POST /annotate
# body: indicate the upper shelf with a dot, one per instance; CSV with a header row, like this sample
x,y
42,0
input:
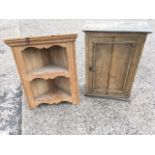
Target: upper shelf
x,y
46,63
109,26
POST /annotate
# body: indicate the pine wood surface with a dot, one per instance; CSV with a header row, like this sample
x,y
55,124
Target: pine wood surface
x,y
47,68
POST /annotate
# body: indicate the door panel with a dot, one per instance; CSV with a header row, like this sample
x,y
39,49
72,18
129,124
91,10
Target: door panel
x,y
120,64
96,51
101,63
111,65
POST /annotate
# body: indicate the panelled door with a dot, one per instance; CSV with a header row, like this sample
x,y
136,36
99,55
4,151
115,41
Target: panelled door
x,y
110,62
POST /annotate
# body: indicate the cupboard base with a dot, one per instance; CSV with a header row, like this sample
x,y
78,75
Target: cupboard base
x,y
110,97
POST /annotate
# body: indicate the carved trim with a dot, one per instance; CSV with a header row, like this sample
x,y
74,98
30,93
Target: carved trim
x,y
43,47
55,100
47,76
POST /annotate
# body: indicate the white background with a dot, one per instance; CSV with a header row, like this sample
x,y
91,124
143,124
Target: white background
x,y
77,9
72,9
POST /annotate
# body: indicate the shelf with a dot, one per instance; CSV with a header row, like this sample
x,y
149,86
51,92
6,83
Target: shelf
x,y
46,60
47,68
49,71
54,97
52,90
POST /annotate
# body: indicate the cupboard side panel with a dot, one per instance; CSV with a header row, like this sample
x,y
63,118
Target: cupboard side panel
x,y
17,51
71,55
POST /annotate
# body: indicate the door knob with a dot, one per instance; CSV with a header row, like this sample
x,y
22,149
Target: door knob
x,y
90,68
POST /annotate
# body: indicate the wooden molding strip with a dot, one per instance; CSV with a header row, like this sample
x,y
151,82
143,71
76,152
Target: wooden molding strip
x,y
38,40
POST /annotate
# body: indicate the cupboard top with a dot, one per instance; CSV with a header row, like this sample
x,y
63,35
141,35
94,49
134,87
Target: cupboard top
x,y
40,40
109,26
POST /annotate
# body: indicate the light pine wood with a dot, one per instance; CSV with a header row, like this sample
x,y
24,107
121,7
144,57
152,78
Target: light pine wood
x,y
49,71
112,59
72,68
47,68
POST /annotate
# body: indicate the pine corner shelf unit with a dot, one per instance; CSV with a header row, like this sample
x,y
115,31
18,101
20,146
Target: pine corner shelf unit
x,y
47,68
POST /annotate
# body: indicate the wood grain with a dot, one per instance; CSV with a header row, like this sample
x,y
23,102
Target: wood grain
x,y
47,68
111,63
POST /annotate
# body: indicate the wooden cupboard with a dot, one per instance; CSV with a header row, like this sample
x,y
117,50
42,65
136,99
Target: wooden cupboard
x,y
47,68
113,51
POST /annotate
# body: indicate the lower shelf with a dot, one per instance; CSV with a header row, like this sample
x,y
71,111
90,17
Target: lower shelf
x,y
51,91
53,97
